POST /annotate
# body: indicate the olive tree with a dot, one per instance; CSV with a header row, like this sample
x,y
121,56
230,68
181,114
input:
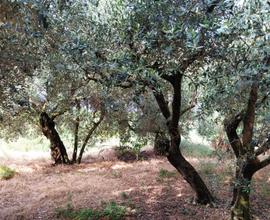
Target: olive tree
x,y
239,93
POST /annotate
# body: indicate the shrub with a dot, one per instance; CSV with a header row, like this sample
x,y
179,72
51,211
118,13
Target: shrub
x,y
6,173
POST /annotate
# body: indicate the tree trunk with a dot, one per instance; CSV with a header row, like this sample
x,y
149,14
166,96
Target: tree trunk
x,y
241,206
174,154
235,188
58,150
175,157
91,131
76,137
76,133
240,209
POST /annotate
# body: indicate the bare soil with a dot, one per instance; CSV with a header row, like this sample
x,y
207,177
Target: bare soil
x,y
39,188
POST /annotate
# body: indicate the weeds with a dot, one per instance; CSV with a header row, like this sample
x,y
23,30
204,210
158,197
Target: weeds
x,y
110,210
165,174
6,173
114,211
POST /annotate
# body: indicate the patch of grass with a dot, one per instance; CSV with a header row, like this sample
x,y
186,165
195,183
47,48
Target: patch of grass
x,y
195,150
82,214
165,174
114,211
111,211
6,173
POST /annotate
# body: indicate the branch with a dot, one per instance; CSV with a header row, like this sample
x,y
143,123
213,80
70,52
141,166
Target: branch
x,y
263,100
264,163
162,103
249,117
190,60
176,103
187,109
56,114
230,128
264,147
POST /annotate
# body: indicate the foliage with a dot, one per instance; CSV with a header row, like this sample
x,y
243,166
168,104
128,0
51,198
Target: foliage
x,y
200,60
6,172
132,143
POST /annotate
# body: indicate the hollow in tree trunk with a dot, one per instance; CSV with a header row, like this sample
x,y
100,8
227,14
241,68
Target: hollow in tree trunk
x,y
58,150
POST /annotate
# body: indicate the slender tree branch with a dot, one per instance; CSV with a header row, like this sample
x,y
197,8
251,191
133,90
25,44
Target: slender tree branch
x,y
187,109
90,132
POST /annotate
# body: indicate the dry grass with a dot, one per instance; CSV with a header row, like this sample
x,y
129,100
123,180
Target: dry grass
x,y
39,189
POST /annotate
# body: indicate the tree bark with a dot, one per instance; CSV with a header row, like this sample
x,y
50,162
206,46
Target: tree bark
x,y
58,150
247,161
241,204
240,209
189,173
174,154
76,134
76,137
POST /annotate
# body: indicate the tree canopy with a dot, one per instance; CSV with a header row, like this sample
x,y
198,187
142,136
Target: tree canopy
x,y
146,67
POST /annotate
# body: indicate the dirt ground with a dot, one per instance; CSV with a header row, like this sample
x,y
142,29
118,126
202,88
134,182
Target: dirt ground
x,y
39,188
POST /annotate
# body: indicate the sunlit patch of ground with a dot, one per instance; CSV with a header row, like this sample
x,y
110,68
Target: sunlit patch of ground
x,y
39,188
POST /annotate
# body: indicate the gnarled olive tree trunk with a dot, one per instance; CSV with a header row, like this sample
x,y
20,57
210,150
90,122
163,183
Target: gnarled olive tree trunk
x,y
58,150
174,154
248,162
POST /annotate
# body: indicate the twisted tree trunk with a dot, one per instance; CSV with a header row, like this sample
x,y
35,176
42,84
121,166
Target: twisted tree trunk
x,y
248,162
58,150
174,154
175,157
